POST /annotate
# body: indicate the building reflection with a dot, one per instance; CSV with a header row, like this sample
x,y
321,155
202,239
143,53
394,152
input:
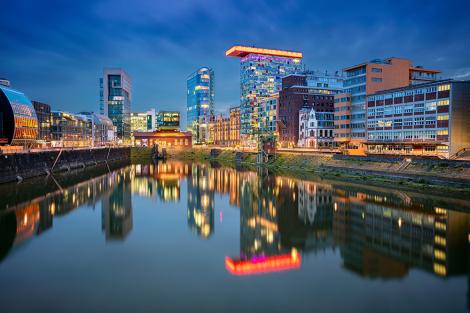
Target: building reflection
x,y
201,200
20,223
161,180
116,209
378,233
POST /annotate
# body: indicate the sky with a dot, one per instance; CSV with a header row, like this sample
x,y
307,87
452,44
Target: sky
x,y
55,51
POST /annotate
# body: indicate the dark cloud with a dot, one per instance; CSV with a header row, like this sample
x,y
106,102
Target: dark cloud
x,y
55,50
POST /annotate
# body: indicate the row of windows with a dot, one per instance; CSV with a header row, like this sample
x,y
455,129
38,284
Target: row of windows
x,y
410,92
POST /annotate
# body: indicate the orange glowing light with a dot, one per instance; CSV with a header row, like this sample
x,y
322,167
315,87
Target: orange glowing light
x,y
242,51
260,265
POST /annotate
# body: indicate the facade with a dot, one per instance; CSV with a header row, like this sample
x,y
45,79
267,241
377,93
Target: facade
x,y
261,72
139,122
200,103
234,126
426,119
43,113
70,130
164,139
18,119
315,129
102,129
220,131
306,90
168,120
267,113
116,99
370,77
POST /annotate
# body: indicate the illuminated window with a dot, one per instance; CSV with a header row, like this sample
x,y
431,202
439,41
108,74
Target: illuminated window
x,y
443,117
443,87
442,102
440,240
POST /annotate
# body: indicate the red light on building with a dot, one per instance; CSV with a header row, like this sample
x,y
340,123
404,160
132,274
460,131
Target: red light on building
x,y
261,265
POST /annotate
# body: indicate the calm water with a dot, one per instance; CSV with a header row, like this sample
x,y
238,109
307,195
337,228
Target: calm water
x,y
182,237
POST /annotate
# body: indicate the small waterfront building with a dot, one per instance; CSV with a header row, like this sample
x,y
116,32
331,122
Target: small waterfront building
x,y
70,130
315,129
164,139
18,119
43,112
430,119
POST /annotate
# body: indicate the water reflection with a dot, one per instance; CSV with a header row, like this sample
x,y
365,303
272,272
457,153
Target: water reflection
x,y
378,233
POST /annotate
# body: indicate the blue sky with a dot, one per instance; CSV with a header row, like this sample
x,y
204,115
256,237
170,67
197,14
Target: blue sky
x,y
55,51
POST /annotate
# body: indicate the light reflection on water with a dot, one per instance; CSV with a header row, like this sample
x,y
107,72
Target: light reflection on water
x,y
245,224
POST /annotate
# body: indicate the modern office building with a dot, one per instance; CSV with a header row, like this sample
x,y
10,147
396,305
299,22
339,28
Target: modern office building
x,y
43,113
309,89
427,119
261,72
200,103
365,79
70,130
116,99
168,120
102,129
18,119
315,129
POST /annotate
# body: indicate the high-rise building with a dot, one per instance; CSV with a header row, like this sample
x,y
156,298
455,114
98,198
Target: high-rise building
x,y
261,72
309,89
116,99
367,78
200,103
43,112
427,119
168,120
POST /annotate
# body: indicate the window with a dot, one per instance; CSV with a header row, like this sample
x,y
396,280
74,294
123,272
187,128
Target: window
x,y
431,106
376,79
409,109
443,87
442,102
442,132
376,70
443,117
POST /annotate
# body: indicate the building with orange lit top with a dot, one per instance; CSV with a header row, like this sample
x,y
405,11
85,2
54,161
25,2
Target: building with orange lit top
x,y
365,79
261,72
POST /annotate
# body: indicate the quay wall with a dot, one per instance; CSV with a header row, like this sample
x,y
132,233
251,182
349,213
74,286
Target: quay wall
x,y
19,166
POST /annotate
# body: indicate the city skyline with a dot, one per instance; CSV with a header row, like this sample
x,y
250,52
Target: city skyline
x,y
159,50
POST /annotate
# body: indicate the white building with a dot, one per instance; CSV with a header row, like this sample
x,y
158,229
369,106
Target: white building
x,y
315,128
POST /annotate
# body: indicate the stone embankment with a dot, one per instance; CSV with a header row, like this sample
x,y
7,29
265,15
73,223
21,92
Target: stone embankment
x,y
399,171
19,166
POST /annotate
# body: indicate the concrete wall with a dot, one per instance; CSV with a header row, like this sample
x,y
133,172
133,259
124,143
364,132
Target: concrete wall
x,y
25,165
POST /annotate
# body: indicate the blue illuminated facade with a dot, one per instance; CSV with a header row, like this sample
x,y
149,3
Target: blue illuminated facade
x,y
200,103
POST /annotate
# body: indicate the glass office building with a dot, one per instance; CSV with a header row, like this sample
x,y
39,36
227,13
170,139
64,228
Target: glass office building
x,y
168,120
200,103
261,72
18,120
116,99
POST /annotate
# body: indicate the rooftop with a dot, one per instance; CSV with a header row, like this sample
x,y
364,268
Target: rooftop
x,y
242,51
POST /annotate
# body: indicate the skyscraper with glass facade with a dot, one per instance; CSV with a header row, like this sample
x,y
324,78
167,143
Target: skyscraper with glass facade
x,y
115,100
200,103
261,72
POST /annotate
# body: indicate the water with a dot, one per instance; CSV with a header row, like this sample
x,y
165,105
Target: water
x,y
182,237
